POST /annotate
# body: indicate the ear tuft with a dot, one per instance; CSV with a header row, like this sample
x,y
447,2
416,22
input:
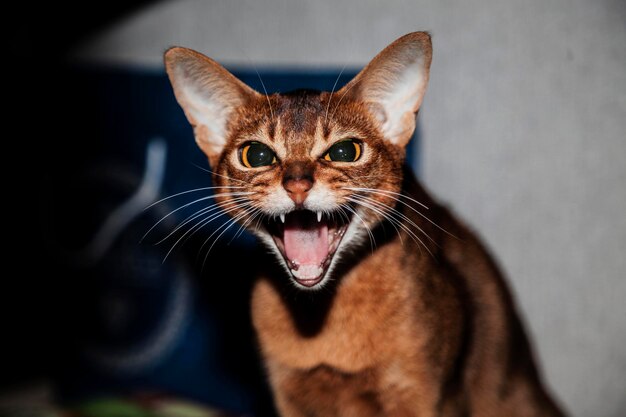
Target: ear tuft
x,y
393,84
208,94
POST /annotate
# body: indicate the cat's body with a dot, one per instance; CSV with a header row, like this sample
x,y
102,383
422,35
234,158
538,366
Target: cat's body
x,y
382,307
403,334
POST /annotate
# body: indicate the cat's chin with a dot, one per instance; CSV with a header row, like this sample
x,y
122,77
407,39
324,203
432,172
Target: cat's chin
x,y
307,242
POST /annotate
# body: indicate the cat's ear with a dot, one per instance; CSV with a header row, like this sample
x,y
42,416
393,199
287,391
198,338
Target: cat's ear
x,y
208,94
393,85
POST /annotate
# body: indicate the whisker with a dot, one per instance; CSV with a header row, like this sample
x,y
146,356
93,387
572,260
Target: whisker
x,y
377,190
247,208
187,235
384,192
201,212
258,220
269,103
255,213
343,96
235,194
253,65
385,176
369,231
187,192
206,210
382,214
219,175
214,216
330,97
396,213
228,225
396,221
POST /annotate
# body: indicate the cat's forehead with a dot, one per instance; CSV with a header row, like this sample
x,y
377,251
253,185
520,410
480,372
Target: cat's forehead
x,y
302,123
297,115
292,122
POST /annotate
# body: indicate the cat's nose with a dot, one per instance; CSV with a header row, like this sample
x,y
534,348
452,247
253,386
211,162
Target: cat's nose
x,y
297,181
298,190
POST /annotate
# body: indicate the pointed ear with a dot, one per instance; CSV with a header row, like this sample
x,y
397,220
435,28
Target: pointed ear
x,y
393,85
208,94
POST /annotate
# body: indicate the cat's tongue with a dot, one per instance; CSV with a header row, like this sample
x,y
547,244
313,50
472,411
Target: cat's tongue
x,y
306,246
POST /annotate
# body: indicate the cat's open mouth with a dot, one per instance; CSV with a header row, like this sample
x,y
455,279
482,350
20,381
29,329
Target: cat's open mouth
x,y
308,241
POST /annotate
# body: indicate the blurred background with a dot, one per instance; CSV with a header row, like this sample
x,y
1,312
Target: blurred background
x,y
522,133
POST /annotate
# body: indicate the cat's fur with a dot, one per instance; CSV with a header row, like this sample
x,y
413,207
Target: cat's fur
x,y
418,322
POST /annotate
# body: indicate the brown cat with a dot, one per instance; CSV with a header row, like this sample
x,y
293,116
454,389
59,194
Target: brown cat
x,y
384,304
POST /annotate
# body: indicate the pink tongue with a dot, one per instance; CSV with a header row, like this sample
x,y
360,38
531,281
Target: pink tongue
x,y
306,246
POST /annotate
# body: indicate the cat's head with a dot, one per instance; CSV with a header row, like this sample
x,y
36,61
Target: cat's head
x,y
310,173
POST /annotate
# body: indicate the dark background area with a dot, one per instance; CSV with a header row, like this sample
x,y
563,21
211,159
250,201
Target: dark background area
x,y
80,153
47,139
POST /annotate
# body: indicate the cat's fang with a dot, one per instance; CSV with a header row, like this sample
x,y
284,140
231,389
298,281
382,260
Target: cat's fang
x,y
282,217
319,216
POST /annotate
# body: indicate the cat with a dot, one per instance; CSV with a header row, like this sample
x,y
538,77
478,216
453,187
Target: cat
x,y
377,301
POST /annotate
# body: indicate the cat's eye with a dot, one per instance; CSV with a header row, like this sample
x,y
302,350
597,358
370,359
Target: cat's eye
x,y
348,150
255,154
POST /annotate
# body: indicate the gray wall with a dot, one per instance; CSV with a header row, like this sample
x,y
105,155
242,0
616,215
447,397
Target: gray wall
x,y
524,129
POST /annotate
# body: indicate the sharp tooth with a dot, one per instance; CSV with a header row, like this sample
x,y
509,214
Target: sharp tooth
x,y
282,217
319,216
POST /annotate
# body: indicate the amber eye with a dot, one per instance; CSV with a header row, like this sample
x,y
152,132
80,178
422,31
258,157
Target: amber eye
x,y
348,150
255,154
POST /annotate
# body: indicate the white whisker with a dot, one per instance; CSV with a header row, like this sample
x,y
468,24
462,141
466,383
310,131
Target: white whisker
x,y
343,96
258,221
369,231
396,196
253,65
219,175
187,192
330,97
200,225
206,210
382,214
388,192
395,212
385,176
386,216
269,103
235,194
253,215
372,205
228,225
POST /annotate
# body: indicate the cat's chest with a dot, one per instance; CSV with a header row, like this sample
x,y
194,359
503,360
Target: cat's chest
x,y
370,318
